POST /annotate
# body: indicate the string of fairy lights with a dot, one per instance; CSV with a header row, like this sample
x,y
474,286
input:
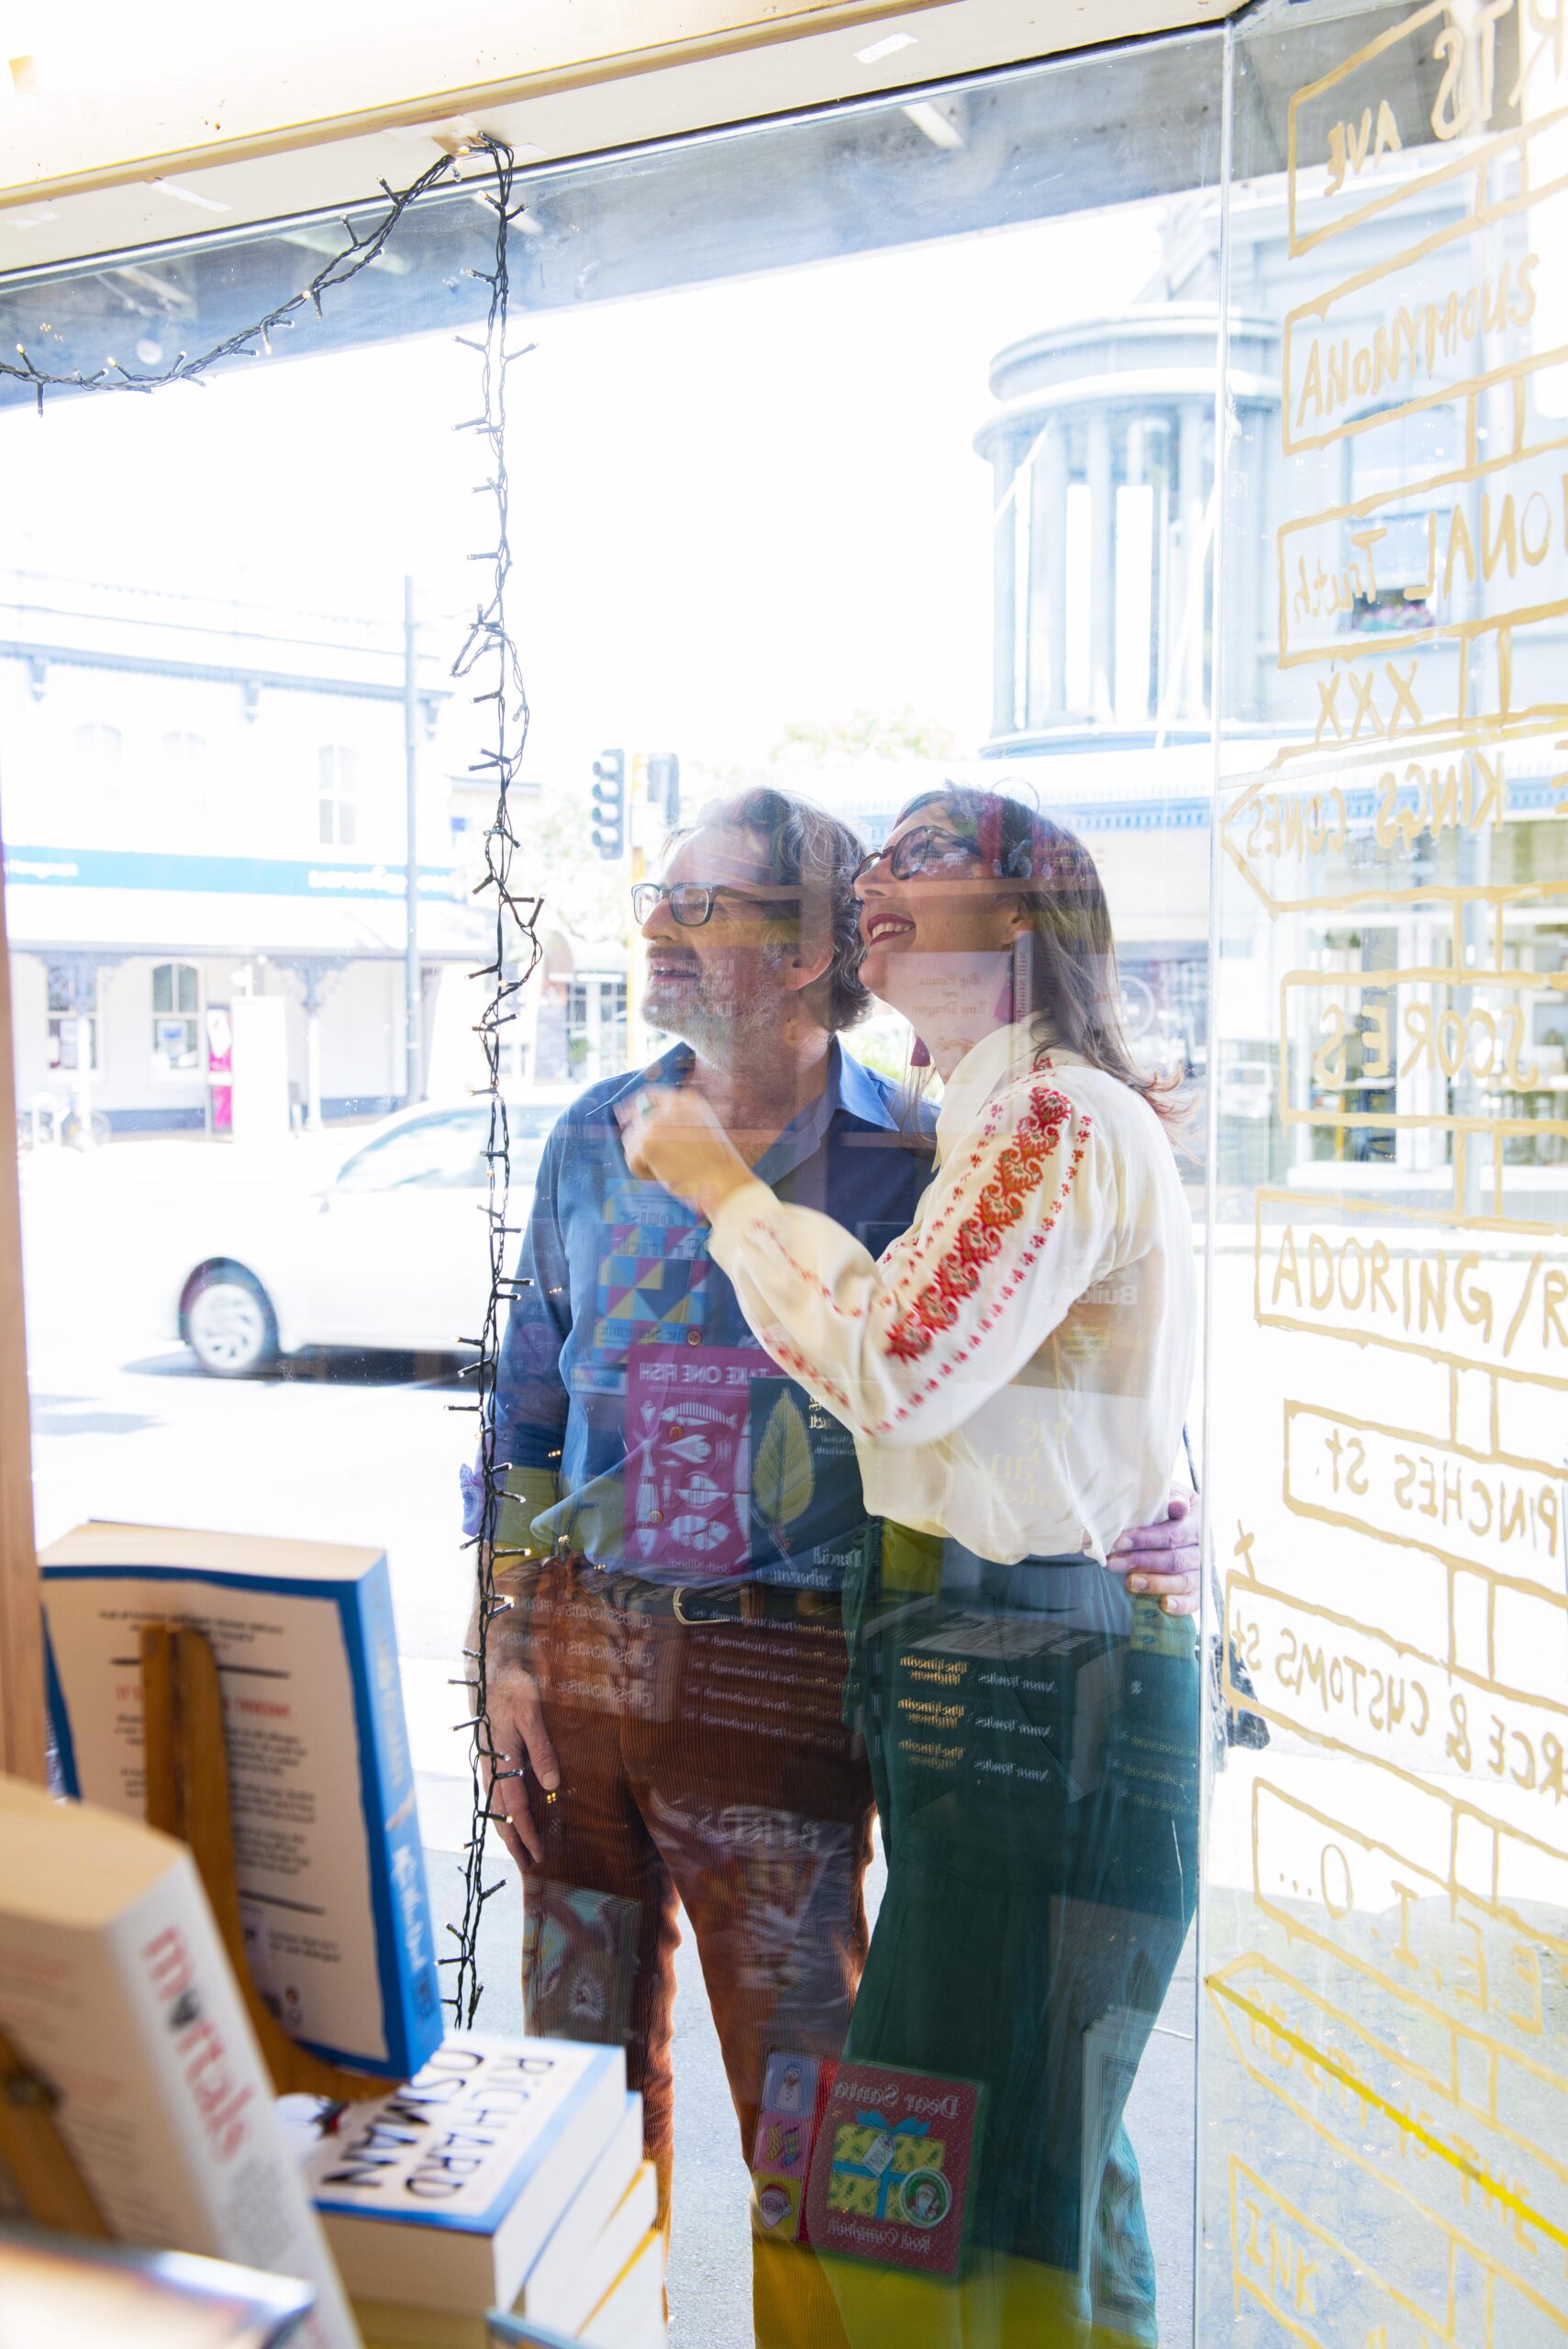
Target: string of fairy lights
x,y
252,341
488,659
490,651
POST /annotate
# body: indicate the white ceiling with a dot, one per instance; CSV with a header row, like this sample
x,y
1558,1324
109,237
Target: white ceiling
x,y
243,115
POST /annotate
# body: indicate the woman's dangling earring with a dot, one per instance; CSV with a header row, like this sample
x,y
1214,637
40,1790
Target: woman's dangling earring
x,y
919,1056
1007,1003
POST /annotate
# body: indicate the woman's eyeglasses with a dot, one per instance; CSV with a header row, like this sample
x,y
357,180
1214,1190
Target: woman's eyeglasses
x,y
692,902
927,848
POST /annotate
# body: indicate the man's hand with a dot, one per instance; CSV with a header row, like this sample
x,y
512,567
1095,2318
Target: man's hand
x,y
1165,1559
517,1733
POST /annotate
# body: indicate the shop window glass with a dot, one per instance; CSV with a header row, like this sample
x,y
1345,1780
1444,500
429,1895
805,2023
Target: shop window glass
x,y
99,761
72,1022
991,540
337,797
1389,983
185,763
596,1026
888,610
176,1002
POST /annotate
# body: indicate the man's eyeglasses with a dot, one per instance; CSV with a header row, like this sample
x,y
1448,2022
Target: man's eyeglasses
x,y
927,848
692,902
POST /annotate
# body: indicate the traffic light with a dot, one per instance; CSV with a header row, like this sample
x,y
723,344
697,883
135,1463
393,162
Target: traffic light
x,y
665,785
609,805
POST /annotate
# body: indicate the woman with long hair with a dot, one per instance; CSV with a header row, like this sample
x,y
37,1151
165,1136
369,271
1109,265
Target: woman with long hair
x,y
1015,1373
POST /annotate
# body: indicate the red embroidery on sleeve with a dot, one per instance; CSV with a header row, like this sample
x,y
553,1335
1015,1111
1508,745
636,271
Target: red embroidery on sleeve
x,y
1020,1170
802,1273
979,1239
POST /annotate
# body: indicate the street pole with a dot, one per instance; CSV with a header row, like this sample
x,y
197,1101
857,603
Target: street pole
x,y
312,1050
412,1006
635,870
635,961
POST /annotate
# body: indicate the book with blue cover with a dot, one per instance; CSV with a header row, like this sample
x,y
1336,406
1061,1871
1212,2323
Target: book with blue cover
x,y
517,2332
442,2195
332,1872
599,2235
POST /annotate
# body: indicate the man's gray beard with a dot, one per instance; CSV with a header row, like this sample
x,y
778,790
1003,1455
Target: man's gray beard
x,y
716,1030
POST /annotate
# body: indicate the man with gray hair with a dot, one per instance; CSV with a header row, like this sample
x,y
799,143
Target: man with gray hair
x,y
676,1519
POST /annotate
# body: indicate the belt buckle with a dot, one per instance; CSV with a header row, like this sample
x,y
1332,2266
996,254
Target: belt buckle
x,y
699,1622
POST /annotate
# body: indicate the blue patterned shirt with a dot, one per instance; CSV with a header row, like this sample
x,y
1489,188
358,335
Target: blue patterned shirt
x,y
678,1449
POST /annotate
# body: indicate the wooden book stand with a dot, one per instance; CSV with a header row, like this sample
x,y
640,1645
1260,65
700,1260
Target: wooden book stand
x,y
37,2154
187,1796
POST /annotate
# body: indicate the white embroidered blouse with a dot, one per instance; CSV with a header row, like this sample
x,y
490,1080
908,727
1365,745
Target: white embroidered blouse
x,y
1015,1369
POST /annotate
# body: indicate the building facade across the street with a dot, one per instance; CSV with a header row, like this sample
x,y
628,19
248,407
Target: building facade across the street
x,y
1101,445
206,862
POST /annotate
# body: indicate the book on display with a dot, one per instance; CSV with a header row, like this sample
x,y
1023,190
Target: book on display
x,y
632,2311
566,2284
507,2332
795,2091
115,1989
504,2331
890,2168
601,2229
442,2195
331,1872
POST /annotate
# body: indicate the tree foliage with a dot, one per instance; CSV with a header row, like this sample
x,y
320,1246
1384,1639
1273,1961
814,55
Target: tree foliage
x,y
863,734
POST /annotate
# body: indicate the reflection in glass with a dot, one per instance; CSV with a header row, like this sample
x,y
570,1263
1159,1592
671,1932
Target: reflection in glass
x,y
1384,2122
785,562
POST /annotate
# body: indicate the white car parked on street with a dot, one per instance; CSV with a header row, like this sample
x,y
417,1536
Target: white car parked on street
x,y
392,1251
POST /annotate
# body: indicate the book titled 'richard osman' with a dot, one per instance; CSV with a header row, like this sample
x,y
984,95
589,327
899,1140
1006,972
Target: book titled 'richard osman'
x,y
333,1889
443,2194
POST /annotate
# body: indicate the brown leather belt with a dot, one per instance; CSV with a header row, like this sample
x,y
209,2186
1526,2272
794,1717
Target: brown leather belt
x,y
695,1604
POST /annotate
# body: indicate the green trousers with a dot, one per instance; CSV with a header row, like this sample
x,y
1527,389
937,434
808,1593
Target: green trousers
x,y
1033,1735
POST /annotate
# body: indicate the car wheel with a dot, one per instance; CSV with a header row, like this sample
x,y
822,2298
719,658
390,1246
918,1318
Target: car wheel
x,y
230,1326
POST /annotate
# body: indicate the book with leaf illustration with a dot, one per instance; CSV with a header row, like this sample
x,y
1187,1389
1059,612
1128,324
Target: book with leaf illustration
x,y
783,1479
806,1508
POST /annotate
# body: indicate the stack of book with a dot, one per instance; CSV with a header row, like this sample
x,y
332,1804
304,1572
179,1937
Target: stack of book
x,y
508,2173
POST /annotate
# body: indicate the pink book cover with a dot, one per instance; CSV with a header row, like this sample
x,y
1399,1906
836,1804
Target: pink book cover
x,y
891,2168
688,1483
